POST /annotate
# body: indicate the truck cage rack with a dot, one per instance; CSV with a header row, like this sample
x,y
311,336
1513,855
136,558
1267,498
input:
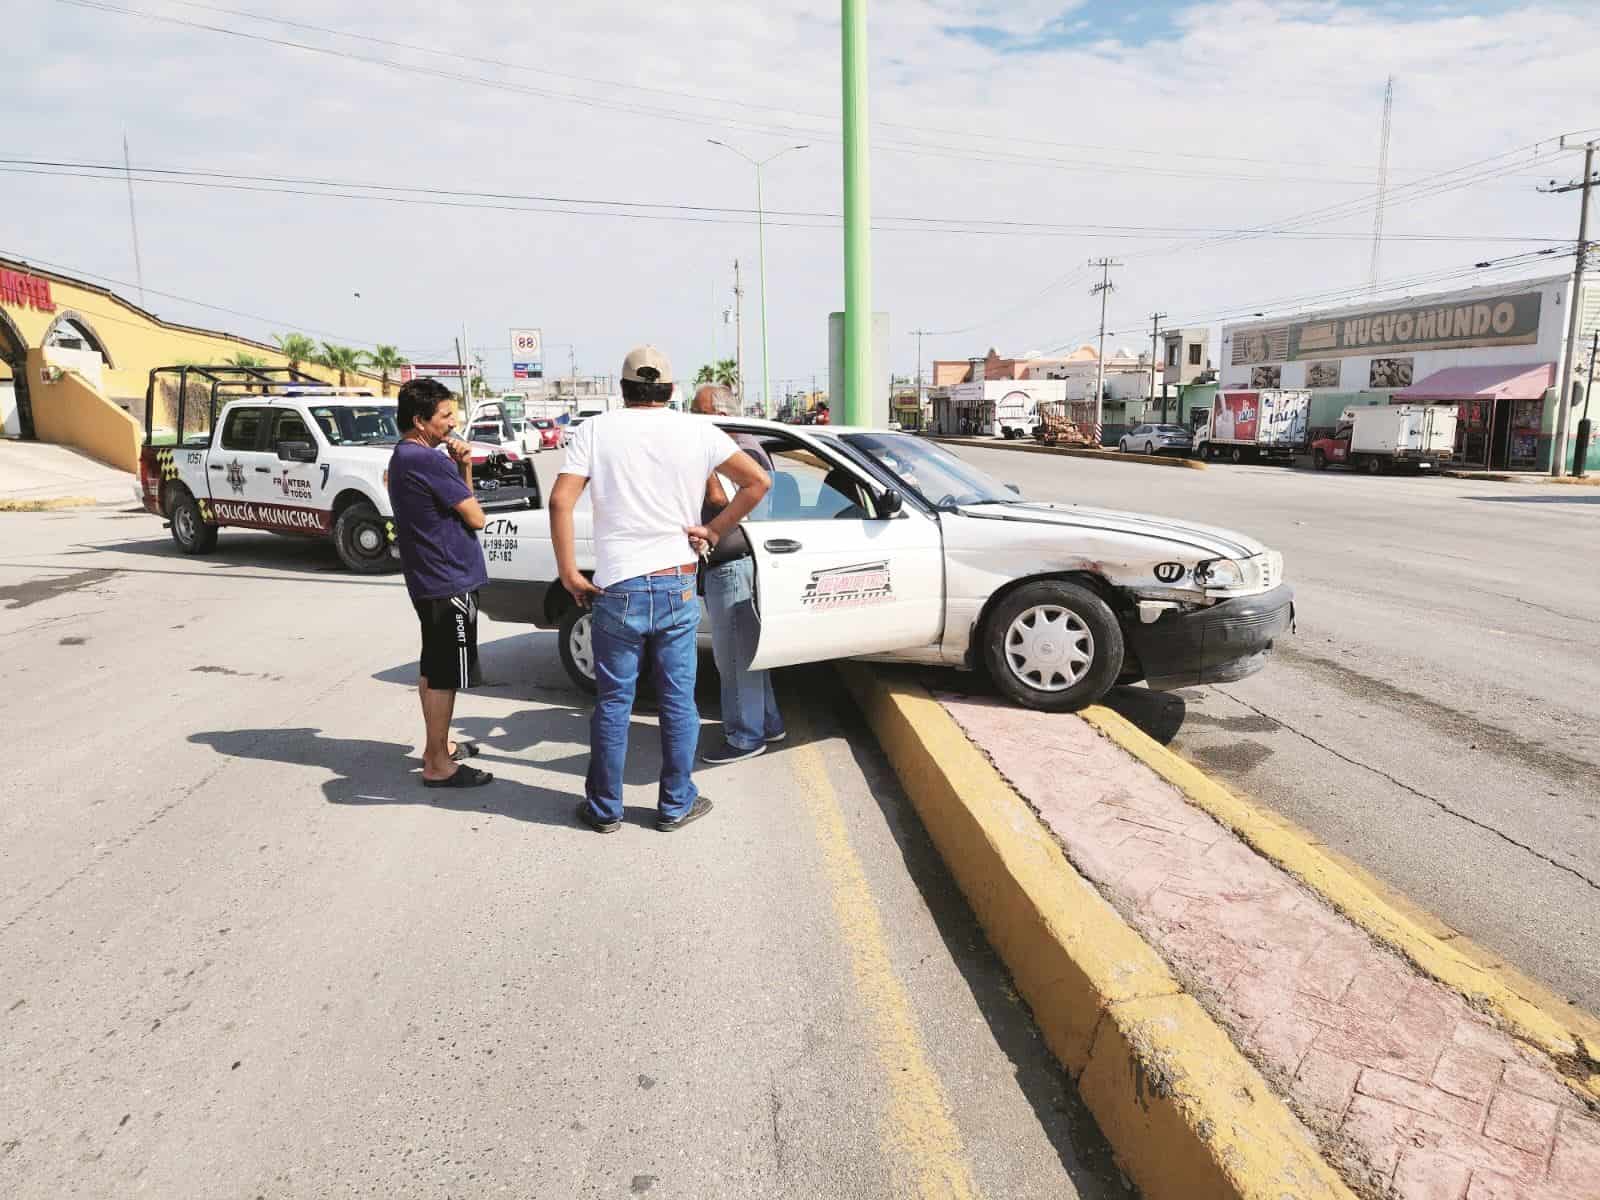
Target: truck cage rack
x,y
225,382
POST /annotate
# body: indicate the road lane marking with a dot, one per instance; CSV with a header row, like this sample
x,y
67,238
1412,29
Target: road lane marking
x,y
918,1128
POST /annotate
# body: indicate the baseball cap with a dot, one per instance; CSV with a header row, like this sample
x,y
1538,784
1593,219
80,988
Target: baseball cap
x,y
646,364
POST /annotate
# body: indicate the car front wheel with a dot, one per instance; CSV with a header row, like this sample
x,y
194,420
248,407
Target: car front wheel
x,y
575,641
1053,645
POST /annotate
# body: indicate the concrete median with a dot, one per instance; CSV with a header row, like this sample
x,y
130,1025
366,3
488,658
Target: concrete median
x,y
1228,995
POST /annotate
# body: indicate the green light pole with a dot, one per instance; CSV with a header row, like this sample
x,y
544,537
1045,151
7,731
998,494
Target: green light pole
x,y
858,367
761,255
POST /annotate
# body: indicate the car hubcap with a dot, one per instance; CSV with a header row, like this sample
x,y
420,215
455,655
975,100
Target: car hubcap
x,y
581,643
184,521
369,539
1049,648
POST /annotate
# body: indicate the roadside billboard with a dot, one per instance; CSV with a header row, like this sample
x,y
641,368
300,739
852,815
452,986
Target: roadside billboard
x,y
527,354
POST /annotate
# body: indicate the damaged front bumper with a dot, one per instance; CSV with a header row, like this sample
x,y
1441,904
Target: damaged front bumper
x,y
1219,644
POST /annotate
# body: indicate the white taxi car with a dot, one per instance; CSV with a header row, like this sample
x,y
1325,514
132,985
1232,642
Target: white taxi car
x,y
882,545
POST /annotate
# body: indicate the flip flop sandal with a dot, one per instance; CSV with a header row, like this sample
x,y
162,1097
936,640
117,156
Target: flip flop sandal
x,y
464,751
465,777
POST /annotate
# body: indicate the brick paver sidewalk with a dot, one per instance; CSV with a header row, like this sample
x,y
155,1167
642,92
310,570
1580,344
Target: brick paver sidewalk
x,y
1406,1086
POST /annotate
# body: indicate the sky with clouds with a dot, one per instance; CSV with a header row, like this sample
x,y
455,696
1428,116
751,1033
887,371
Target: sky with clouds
x,y
573,187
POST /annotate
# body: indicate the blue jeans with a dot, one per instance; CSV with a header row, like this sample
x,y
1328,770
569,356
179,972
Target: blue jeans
x,y
749,709
663,613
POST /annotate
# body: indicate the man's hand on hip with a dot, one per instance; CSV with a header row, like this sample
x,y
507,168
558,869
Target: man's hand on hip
x,y
581,589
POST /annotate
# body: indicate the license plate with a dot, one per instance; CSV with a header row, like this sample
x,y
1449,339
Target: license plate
x,y
1424,466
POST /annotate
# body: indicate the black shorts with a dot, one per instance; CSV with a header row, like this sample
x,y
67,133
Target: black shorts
x,y
449,641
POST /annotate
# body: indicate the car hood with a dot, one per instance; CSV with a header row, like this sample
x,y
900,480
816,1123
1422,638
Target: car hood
x,y
1205,539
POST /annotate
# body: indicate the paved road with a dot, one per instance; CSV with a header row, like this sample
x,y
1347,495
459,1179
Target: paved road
x,y
1434,719
243,953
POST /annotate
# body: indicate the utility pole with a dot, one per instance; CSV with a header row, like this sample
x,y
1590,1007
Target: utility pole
x,y
1580,456
1558,456
1103,288
1383,182
133,221
461,365
738,336
919,334
1155,331
858,368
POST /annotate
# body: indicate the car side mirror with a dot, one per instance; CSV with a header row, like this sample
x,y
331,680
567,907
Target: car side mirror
x,y
301,452
890,503
1014,489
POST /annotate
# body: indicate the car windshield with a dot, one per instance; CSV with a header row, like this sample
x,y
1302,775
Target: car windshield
x,y
357,424
1171,429
930,471
544,423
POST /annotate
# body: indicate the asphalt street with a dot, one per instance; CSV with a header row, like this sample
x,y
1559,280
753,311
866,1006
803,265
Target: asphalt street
x,y
1434,717
244,953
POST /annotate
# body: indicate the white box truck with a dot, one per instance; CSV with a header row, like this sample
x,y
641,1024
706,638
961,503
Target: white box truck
x,y
1386,437
1266,425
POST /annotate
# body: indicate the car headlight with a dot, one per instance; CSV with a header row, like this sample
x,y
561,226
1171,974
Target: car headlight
x,y
1219,573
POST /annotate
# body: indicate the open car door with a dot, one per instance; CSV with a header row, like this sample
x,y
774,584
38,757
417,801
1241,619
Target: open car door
x,y
837,573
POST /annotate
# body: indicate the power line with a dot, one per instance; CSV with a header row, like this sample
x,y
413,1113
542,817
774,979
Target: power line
x,y
741,102
440,197
921,149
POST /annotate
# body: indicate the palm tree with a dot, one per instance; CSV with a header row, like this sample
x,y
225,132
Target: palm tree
x,y
343,359
385,359
296,347
724,372
245,359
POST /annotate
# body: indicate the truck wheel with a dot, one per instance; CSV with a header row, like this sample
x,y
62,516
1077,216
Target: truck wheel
x,y
189,528
1053,646
361,535
575,641
1374,466
1238,454
1319,460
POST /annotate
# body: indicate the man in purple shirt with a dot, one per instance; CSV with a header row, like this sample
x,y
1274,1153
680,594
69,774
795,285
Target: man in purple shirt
x,y
436,519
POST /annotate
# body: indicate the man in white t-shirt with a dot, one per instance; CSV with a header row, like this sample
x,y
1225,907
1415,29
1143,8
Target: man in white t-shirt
x,y
646,467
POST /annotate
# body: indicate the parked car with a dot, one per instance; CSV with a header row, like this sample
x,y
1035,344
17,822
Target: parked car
x,y
1153,439
882,545
268,448
545,434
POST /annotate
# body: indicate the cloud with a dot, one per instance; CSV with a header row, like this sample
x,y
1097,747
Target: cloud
x,y
1113,130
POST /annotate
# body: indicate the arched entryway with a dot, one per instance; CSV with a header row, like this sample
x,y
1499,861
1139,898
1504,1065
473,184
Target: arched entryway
x,y
16,413
71,331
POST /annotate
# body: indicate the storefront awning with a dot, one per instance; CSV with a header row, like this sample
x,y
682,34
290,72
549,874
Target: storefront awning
x,y
1514,381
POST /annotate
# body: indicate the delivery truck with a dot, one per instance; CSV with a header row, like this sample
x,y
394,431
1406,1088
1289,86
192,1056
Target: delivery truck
x,y
1387,437
1270,425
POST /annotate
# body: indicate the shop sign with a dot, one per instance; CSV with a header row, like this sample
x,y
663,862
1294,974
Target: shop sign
x,y
1508,320
22,289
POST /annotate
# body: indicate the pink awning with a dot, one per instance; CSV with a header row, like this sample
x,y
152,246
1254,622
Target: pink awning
x,y
1514,381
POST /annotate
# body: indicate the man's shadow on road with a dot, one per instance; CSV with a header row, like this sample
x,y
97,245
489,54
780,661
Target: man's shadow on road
x,y
371,772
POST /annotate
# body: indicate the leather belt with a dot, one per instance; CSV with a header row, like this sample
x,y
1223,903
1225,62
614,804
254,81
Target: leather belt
x,y
686,569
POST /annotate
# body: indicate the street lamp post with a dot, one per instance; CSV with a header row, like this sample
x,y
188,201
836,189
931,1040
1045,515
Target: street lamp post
x,y
761,255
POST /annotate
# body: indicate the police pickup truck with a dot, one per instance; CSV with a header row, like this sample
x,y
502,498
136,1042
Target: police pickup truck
x,y
882,545
271,448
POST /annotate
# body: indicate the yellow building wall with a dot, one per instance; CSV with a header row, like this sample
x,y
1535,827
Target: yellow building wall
x,y
69,411
136,343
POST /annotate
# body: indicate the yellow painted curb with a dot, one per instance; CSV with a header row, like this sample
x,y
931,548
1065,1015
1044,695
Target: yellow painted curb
x,y
50,505
1153,460
1524,1008
1186,1113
